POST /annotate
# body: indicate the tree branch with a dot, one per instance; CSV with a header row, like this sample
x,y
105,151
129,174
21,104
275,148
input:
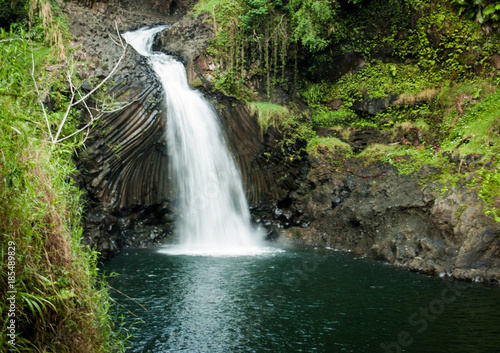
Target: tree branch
x,y
39,96
82,98
124,46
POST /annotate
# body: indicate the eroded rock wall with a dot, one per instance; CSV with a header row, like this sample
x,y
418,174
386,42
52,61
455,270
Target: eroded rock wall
x,y
123,167
407,221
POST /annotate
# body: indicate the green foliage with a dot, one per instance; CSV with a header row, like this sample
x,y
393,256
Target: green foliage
x,y
62,302
476,130
268,114
417,111
481,11
312,22
490,189
12,12
376,80
472,132
251,38
365,27
444,44
324,117
296,131
431,33
331,145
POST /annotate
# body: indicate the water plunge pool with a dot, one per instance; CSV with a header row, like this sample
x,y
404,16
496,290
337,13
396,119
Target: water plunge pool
x,y
298,300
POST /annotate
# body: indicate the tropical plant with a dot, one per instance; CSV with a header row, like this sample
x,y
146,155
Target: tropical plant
x,y
482,11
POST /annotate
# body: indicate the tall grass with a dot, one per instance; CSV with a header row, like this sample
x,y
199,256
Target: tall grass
x,y
61,302
268,114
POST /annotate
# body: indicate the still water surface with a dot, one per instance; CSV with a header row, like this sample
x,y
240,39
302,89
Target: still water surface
x,y
299,300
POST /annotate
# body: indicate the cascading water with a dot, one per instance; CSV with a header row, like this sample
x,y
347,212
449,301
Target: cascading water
x,y
214,214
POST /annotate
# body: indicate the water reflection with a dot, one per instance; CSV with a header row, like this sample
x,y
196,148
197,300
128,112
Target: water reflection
x,y
269,303
207,308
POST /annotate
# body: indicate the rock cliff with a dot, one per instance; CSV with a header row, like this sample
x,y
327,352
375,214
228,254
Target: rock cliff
x,y
123,167
406,220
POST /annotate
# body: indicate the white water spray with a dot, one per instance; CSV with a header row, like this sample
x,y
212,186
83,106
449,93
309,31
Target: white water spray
x,y
214,214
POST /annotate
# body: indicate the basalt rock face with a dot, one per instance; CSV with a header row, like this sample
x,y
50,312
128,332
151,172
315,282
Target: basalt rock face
x,y
123,167
265,175
368,209
187,40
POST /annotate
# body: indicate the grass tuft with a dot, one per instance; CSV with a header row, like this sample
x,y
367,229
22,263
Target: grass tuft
x,y
268,114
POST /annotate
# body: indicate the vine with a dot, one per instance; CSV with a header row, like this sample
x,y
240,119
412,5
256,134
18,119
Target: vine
x,y
252,38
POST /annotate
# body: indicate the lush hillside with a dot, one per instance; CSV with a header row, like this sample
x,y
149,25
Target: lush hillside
x,y
54,298
422,73
400,84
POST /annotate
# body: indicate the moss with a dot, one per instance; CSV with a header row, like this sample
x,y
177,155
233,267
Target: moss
x,y
476,130
489,181
268,114
328,145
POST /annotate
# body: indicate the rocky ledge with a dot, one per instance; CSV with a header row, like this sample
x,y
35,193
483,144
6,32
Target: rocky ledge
x,y
407,220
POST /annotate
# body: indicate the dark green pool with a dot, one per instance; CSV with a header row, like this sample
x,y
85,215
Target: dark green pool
x,y
299,300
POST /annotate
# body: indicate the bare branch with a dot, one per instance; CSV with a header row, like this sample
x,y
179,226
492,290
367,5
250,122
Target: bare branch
x,y
68,109
119,35
82,98
93,118
113,39
80,130
124,46
39,96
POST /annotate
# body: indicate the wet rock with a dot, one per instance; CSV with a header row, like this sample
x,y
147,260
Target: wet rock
x,y
187,40
336,201
86,86
272,233
395,219
373,106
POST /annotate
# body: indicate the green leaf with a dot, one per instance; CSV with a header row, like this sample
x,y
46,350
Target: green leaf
x,y
479,16
489,9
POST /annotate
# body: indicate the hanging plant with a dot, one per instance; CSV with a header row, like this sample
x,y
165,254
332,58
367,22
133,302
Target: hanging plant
x,y
481,11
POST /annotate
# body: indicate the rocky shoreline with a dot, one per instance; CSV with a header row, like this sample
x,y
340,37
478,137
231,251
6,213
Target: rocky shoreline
x,y
405,221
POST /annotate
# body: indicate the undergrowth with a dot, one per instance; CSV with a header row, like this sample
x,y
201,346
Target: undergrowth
x,y
331,145
61,302
489,181
268,114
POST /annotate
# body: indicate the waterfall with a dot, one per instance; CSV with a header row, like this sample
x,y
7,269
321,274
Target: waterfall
x,y
214,217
